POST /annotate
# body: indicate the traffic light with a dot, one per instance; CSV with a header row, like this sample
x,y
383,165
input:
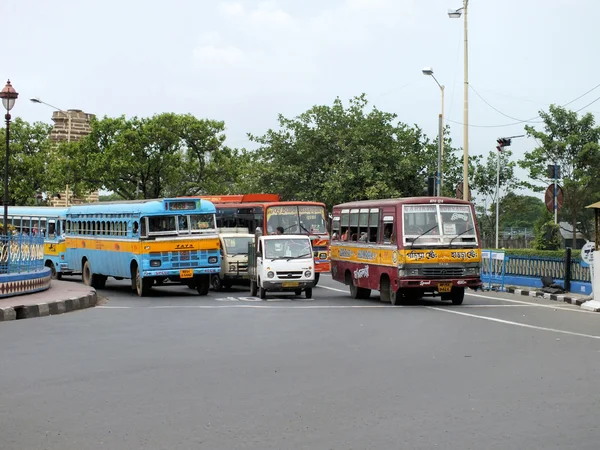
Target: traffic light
x,y
550,171
502,142
430,186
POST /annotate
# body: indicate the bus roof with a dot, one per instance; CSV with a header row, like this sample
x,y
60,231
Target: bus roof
x,y
37,211
267,204
147,206
242,198
400,201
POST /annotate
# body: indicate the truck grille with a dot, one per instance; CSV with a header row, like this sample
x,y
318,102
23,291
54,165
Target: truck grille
x,y
182,259
289,275
443,272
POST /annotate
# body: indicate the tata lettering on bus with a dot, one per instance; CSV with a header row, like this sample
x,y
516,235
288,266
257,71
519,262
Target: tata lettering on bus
x,y
406,248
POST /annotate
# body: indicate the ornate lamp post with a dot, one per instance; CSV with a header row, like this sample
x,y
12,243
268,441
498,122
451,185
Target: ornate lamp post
x,y
8,96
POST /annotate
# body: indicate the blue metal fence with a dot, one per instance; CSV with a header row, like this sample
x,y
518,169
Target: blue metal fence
x,y
21,253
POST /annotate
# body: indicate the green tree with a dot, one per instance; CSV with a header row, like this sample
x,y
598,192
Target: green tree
x,y
571,142
164,155
336,154
28,160
547,234
485,181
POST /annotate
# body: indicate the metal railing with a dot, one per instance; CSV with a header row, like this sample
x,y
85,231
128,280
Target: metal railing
x,y
21,253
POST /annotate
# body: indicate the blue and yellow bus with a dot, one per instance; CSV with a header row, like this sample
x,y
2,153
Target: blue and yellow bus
x,y
147,241
48,222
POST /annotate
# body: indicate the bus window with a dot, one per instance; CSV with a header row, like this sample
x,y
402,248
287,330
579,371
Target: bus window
x,y
373,225
51,229
388,230
353,225
335,228
182,224
363,225
162,224
202,222
144,227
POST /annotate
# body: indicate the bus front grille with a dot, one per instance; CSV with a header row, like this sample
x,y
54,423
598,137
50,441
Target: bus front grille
x,y
182,259
443,272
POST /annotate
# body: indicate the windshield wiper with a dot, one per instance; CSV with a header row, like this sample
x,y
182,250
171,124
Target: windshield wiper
x,y
304,255
421,235
458,235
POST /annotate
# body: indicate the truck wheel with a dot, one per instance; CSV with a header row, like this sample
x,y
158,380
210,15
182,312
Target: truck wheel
x,y
253,288
216,283
316,279
457,295
262,293
308,292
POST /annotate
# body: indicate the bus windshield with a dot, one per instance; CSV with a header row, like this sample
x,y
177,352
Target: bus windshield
x,y
438,220
181,224
288,248
296,219
237,245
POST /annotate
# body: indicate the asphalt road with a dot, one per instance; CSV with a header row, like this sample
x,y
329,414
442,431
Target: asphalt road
x,y
227,371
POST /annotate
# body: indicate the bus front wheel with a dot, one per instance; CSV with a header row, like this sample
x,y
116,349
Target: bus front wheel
x,y
457,296
55,275
142,285
387,293
203,284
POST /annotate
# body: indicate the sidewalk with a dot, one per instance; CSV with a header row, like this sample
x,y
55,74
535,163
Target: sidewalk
x,y
62,297
567,297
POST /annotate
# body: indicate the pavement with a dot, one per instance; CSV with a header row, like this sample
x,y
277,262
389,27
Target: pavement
x,y
62,297
66,296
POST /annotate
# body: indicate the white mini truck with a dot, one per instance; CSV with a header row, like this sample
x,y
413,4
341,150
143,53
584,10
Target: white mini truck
x,y
281,263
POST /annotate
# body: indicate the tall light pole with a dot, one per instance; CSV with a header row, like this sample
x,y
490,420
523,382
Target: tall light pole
x,y
429,71
37,100
455,14
8,96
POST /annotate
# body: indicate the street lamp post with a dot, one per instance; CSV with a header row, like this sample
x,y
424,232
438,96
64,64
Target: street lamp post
x,y
8,96
37,100
429,72
455,14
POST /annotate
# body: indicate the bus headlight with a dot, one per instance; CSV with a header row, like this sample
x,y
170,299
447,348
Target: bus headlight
x,y
307,274
270,274
212,259
323,255
155,263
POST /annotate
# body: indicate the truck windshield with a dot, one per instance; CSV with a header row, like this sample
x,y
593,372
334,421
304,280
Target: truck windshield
x,y
288,248
237,245
296,219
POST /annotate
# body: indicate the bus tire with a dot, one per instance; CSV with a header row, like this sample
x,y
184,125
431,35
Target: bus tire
x,y
216,283
55,275
457,296
99,281
253,288
86,273
203,284
142,285
316,278
387,292
308,292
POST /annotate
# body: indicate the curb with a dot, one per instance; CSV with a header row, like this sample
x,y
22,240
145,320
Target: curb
x,y
545,295
48,309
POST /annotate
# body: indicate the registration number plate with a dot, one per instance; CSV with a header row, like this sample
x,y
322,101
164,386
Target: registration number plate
x,y
290,284
444,287
186,273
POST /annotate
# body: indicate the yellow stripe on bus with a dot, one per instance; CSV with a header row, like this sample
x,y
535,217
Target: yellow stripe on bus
x,y
52,249
144,247
391,257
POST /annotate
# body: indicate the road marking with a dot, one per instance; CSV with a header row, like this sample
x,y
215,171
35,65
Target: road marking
x,y
563,308
254,306
334,289
517,324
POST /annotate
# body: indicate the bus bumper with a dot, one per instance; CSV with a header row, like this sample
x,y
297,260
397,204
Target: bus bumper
x,y
322,266
431,285
181,273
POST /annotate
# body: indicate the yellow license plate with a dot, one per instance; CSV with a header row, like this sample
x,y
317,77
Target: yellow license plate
x,y
444,287
186,273
290,284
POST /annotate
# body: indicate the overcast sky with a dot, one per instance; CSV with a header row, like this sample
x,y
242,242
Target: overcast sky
x,y
246,61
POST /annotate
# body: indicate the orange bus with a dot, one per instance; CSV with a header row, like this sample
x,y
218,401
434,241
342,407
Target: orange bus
x,y
406,248
268,212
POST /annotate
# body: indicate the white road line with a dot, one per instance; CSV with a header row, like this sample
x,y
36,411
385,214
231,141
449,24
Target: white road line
x,y
516,324
563,308
334,289
254,306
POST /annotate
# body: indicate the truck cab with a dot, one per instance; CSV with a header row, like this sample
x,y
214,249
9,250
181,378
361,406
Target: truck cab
x,y
281,263
234,258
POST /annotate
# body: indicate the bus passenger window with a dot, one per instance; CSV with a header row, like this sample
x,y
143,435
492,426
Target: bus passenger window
x,y
388,233
135,228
